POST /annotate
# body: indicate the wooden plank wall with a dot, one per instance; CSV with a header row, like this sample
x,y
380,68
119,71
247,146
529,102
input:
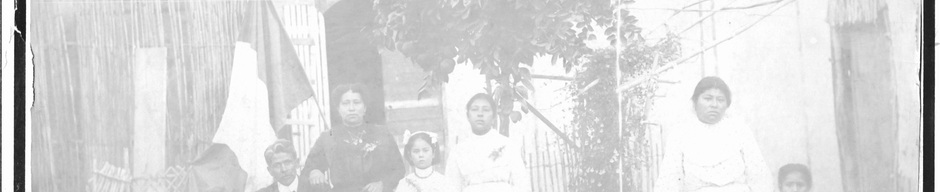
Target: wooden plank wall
x,y
404,110
304,25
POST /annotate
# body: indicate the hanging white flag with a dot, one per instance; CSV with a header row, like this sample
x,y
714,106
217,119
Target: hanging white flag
x,y
246,126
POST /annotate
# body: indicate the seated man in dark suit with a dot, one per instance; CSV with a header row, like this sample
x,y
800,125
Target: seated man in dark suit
x,y
282,164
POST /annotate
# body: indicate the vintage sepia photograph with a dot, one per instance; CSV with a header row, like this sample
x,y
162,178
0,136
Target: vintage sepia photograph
x,y
475,96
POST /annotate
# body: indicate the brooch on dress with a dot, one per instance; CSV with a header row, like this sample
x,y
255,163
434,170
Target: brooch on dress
x,y
369,147
357,139
497,153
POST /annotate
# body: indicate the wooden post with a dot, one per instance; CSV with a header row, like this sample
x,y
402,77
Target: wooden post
x,y
149,149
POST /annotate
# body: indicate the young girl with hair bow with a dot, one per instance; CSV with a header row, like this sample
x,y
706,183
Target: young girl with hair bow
x,y
422,153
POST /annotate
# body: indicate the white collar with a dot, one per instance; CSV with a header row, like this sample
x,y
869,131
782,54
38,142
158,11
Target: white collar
x,y
492,132
289,188
424,173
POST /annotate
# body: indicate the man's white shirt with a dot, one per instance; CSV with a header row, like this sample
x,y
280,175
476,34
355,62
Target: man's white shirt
x,y
288,188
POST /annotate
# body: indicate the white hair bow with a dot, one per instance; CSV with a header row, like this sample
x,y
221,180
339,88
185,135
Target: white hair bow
x,y
408,135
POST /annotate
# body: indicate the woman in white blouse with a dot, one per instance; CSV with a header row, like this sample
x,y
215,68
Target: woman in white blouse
x,y
486,161
715,153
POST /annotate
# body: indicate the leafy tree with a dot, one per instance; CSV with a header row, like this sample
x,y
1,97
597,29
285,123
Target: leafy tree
x,y
595,113
498,37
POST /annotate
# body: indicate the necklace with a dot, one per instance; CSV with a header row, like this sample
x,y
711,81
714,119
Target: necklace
x,y
355,137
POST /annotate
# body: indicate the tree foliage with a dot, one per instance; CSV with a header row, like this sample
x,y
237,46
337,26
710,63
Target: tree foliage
x,y
498,37
595,114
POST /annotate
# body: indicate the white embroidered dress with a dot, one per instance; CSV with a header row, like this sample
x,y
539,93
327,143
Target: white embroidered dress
x,y
721,157
488,163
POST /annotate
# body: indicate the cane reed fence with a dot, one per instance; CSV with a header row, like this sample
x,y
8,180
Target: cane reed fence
x,y
83,55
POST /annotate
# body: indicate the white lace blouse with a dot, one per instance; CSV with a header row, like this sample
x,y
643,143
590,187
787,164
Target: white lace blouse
x,y
713,157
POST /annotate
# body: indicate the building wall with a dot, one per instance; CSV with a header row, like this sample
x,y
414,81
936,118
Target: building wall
x,y
779,73
304,25
404,109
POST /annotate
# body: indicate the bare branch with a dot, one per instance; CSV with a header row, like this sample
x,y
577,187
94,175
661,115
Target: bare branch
x,y
638,80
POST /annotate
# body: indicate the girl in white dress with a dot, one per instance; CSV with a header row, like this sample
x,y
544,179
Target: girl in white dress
x,y
421,152
486,161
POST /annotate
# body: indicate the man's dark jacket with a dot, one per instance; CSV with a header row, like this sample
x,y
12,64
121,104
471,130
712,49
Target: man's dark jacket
x,y
303,186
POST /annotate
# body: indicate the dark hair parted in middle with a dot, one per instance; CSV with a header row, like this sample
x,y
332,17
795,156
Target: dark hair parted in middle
x,y
427,138
711,82
790,168
485,97
337,95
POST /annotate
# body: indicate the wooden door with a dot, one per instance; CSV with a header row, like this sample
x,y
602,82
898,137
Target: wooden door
x,y
866,106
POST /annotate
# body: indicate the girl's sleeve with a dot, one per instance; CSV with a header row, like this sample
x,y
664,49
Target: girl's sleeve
x,y
759,178
520,175
670,170
403,186
453,172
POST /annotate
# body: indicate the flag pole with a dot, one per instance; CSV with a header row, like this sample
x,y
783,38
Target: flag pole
x,y
320,110
619,49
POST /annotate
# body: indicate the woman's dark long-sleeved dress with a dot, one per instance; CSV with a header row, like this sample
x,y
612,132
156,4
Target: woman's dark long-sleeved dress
x,y
356,157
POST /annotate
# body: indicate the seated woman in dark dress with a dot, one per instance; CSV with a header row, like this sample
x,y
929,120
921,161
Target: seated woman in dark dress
x,y
354,155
